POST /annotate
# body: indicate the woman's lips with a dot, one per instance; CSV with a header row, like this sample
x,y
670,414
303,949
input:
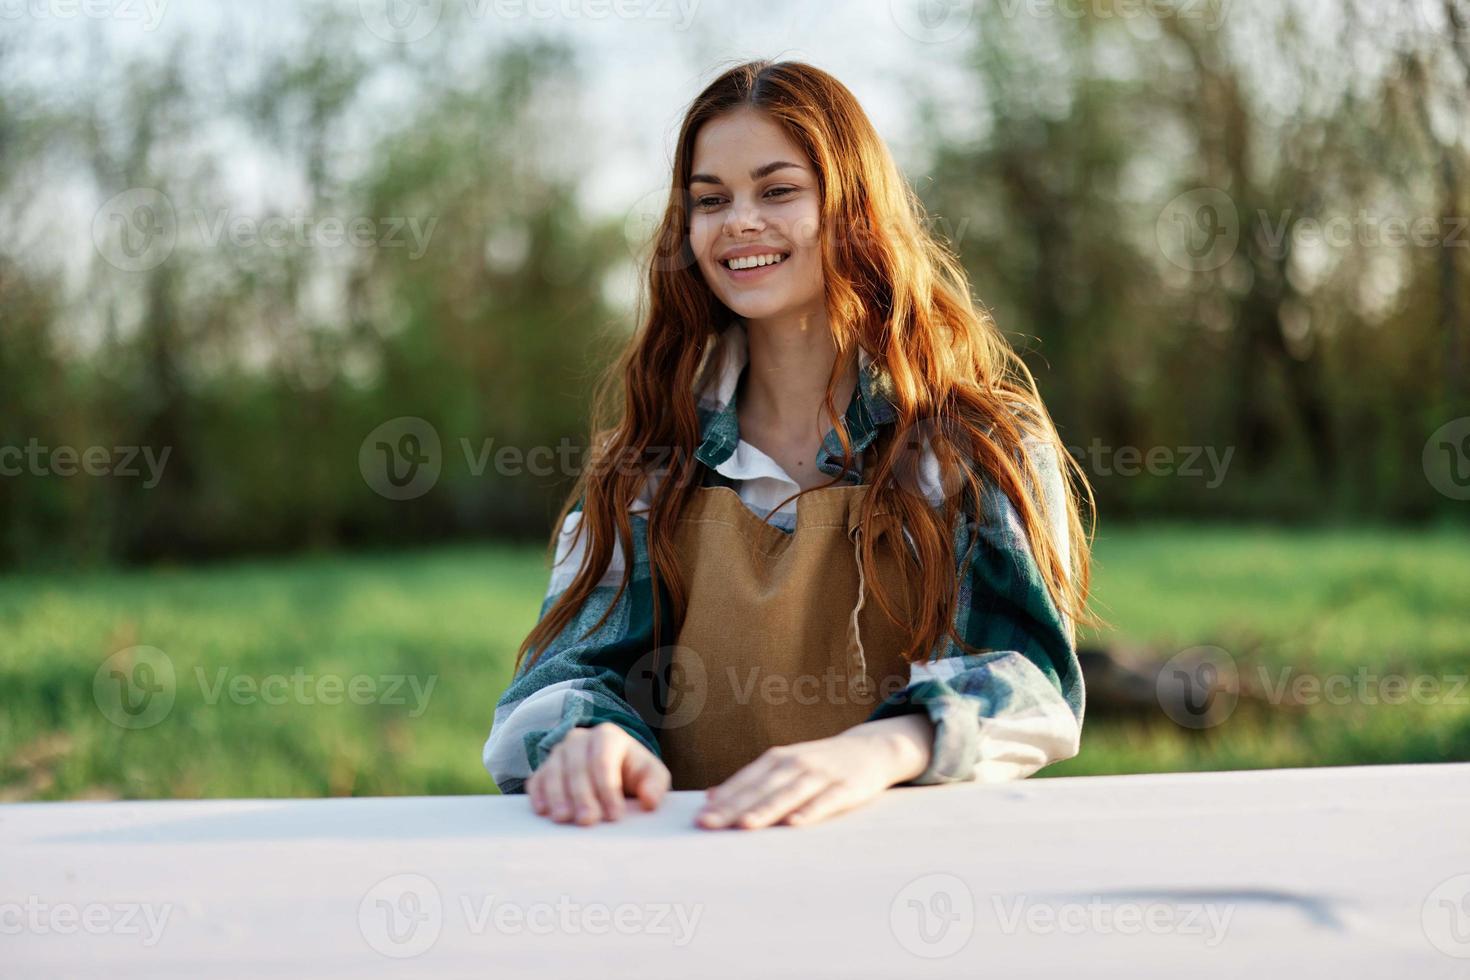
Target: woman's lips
x,y
745,275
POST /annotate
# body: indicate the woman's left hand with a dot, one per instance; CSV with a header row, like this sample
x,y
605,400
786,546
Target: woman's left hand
x,y
808,781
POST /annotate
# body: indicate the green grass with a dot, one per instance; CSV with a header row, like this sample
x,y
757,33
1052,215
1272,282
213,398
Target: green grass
x,y
1317,602
1314,604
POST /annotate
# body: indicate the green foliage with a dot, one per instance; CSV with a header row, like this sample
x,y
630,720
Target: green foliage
x,y
490,297
1318,603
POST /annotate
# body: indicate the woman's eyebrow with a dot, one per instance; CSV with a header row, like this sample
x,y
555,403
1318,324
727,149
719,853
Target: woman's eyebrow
x,y
756,174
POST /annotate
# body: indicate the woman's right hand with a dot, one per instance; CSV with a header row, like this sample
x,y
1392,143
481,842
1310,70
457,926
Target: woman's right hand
x,y
590,770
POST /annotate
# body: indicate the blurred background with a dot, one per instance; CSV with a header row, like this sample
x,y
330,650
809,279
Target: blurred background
x,y
300,305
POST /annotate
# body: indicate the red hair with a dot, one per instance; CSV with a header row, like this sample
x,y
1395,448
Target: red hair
x,y
890,288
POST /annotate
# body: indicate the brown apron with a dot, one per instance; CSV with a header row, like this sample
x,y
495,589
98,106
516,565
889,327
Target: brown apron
x,y
778,644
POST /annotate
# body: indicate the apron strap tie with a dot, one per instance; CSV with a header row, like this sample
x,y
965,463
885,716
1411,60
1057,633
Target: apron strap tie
x,y
855,645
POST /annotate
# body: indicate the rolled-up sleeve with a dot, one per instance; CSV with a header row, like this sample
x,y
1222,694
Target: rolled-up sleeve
x,y
1007,712
578,680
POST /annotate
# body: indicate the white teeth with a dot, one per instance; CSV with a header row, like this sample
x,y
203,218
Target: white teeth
x,y
752,261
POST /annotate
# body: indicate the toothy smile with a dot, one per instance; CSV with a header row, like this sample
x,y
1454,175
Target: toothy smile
x,y
753,261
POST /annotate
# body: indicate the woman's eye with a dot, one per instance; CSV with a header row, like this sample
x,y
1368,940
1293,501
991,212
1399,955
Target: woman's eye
x,y
707,202
780,191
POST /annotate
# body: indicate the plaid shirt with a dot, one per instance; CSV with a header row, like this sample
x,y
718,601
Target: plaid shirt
x,y
998,715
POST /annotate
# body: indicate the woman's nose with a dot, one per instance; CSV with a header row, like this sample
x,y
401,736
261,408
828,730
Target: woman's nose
x,y
743,216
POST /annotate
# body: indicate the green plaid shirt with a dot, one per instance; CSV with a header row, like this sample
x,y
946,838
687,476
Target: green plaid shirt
x,y
1001,714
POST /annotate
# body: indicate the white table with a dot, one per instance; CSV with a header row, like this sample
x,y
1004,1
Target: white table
x,y
1340,872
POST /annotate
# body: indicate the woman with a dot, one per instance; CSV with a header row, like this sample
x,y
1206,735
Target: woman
x,y
775,640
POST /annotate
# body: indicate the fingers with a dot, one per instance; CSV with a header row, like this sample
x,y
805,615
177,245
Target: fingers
x,y
605,769
753,774
782,800
577,777
585,777
550,785
645,776
770,773
831,801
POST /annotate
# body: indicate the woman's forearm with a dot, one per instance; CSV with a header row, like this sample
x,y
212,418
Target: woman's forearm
x,y
903,744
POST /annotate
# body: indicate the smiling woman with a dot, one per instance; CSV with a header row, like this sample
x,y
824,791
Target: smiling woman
x,y
707,624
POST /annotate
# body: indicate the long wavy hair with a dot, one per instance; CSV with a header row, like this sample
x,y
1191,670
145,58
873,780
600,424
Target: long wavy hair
x,y
890,288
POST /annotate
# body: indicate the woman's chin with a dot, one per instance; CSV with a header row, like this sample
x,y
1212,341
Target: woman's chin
x,y
755,307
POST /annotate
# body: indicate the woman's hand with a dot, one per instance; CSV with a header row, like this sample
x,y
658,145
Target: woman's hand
x,y
808,781
589,771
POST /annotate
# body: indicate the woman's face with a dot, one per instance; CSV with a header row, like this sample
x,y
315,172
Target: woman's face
x,y
754,199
